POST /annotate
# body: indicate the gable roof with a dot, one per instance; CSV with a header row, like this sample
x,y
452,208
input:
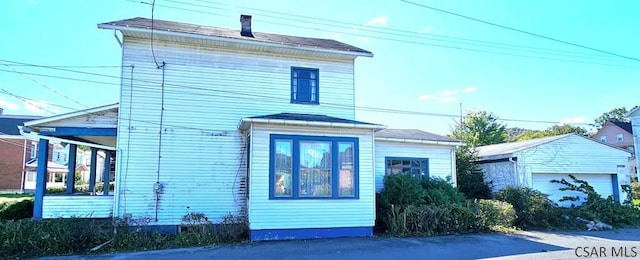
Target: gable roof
x,y
624,125
632,112
306,120
77,113
9,123
193,30
509,148
414,135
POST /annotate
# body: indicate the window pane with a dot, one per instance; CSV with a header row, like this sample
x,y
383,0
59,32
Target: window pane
x,y
346,168
283,168
315,169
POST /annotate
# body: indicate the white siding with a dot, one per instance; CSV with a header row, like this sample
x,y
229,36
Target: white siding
x,y
635,127
105,119
206,93
440,158
57,206
499,175
316,213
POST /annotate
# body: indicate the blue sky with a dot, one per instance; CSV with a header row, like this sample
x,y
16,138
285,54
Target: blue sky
x,y
555,82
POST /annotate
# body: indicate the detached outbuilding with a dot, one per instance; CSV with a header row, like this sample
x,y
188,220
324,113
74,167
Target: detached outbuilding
x,y
534,163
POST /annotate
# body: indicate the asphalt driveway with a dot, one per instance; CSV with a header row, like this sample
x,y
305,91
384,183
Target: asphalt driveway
x,y
525,245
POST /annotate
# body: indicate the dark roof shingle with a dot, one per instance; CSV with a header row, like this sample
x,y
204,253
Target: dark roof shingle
x,y
9,123
311,118
413,134
624,125
203,30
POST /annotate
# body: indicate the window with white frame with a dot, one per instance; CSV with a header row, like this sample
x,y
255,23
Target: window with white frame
x,y
619,138
416,167
603,138
34,150
311,167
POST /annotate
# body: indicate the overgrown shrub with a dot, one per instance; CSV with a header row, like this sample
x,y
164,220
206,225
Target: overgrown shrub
x,y
440,192
595,207
495,213
16,210
28,238
433,219
635,190
469,176
533,209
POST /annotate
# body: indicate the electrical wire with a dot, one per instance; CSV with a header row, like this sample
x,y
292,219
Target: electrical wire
x,y
521,31
208,92
28,101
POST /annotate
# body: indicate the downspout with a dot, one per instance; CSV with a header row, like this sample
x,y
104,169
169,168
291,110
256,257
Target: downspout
x,y
454,170
24,161
515,170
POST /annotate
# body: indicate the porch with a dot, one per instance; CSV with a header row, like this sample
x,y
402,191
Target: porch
x,y
82,189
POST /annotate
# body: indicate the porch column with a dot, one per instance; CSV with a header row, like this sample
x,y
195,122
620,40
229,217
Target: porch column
x,y
106,172
92,169
71,164
41,178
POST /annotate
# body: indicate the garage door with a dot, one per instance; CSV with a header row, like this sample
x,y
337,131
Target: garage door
x,y
602,183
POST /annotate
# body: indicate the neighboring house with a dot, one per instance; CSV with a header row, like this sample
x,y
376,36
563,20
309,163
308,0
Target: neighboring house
x,y
15,151
256,125
634,116
619,134
534,163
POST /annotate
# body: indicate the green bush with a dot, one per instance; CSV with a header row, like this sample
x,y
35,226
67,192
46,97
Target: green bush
x,y
469,176
533,209
440,192
401,190
635,190
16,210
494,213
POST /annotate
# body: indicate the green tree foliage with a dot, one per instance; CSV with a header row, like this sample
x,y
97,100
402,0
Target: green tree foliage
x,y
616,114
551,131
480,128
470,178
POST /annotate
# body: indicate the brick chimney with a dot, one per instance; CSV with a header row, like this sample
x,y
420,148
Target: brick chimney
x,y
245,20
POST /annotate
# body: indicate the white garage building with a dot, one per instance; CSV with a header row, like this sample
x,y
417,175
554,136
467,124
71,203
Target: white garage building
x,y
534,163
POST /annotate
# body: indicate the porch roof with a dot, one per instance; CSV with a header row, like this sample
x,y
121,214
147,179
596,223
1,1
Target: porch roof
x,y
311,120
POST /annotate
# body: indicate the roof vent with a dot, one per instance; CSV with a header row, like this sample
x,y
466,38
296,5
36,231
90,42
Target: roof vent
x,y
245,20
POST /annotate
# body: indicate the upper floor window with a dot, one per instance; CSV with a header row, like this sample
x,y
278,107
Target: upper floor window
x,y
416,167
619,137
34,149
312,167
603,138
304,85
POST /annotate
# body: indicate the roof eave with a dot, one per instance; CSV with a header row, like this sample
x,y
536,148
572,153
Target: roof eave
x,y
419,141
232,40
35,123
246,122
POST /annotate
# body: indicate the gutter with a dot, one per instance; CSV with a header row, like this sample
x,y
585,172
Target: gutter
x,y
35,137
417,141
231,40
245,121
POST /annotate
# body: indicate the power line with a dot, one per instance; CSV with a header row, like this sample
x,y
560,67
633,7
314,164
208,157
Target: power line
x,y
560,53
521,31
252,96
43,85
27,101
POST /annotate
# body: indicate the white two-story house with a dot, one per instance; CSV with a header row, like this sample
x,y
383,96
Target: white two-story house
x,y
251,124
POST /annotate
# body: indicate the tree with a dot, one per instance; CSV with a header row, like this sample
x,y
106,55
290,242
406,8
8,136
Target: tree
x,y
616,114
470,178
551,131
480,128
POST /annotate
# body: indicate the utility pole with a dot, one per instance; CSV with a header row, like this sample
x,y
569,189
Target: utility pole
x,y
460,114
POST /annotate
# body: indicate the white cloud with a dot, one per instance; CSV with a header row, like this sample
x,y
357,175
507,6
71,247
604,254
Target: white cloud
x,y
378,21
38,106
364,39
424,30
8,105
469,89
573,120
448,92
448,99
427,97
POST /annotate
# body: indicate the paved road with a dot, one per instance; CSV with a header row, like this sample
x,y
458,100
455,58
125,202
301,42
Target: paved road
x,y
525,245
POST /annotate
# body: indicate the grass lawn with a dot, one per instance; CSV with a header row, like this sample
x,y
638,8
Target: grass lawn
x,y
14,197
